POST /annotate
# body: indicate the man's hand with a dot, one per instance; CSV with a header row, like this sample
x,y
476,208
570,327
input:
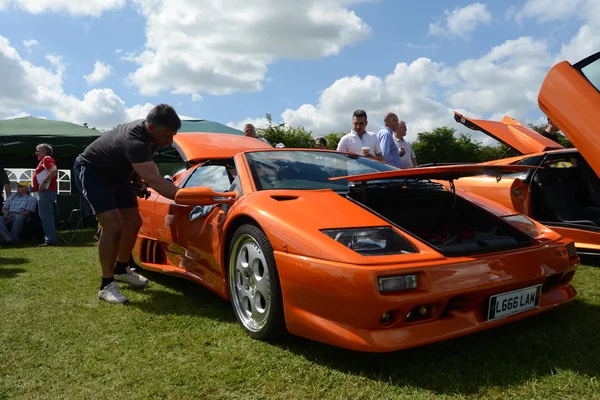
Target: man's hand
x,y
144,193
148,171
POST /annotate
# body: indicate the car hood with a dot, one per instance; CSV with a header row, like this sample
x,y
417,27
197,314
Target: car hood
x,y
510,132
573,104
194,146
447,172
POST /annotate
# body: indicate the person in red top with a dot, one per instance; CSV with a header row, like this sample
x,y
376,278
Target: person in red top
x,y
44,183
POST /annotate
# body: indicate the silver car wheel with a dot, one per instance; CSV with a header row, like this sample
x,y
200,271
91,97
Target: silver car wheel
x,y
249,283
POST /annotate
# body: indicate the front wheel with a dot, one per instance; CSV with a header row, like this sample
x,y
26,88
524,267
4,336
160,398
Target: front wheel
x,y
254,284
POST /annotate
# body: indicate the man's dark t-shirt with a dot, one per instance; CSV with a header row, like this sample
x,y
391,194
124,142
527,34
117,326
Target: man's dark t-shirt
x,y
113,153
551,136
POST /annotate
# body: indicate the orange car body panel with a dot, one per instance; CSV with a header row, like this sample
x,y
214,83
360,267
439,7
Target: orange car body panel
x,y
201,146
573,104
330,293
512,133
510,192
339,303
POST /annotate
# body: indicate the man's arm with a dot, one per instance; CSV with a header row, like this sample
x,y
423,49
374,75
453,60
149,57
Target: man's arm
x,y
50,165
148,171
30,206
378,152
6,206
52,174
7,189
386,142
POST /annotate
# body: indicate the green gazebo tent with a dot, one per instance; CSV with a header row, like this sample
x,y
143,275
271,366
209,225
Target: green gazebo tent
x,y
202,125
19,136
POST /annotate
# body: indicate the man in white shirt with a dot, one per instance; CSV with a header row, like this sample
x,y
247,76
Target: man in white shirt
x,y
359,138
408,159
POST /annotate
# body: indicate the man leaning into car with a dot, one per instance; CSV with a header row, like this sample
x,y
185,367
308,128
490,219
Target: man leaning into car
x,y
103,172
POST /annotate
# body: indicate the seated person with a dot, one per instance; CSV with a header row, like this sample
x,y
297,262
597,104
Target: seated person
x,y
15,212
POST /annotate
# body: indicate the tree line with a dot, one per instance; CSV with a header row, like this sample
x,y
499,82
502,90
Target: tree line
x,y
442,145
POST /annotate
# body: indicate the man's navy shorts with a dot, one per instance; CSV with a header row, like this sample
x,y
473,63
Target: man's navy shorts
x,y
99,193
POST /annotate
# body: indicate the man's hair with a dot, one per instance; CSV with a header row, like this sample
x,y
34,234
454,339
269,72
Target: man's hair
x,y
46,147
164,115
360,114
322,141
389,116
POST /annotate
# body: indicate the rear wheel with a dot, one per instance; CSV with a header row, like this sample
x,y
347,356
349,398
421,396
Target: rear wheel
x,y
254,284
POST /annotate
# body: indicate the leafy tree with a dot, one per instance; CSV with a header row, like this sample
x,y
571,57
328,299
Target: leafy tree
x,y
443,146
333,139
289,136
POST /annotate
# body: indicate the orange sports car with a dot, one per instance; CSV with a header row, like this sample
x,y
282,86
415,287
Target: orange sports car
x,y
564,194
346,250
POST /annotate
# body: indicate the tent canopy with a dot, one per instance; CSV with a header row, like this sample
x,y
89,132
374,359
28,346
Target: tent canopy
x,y
202,125
20,136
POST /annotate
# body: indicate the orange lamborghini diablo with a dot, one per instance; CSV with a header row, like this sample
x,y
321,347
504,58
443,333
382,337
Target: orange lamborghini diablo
x,y
346,250
564,193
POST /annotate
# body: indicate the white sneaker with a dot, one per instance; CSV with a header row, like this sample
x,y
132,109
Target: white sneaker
x,y
132,278
111,294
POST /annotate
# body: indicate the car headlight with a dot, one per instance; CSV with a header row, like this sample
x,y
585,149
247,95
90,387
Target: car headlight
x,y
375,241
526,225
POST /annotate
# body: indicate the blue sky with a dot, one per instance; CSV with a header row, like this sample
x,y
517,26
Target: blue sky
x,y
310,64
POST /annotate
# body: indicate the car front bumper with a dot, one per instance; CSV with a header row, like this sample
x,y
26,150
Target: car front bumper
x,y
341,305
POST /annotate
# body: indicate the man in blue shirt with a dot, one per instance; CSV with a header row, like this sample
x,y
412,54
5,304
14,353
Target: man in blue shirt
x,y
386,140
15,212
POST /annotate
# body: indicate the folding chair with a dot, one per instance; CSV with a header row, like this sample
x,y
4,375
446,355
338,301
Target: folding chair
x,y
69,216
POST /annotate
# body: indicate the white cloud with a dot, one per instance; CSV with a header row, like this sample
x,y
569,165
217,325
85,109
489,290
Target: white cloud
x,y
222,47
409,91
101,71
20,114
257,122
586,41
550,10
88,7
506,80
27,86
30,43
583,44
460,22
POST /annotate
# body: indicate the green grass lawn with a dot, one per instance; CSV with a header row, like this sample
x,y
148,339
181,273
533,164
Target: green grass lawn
x,y
177,340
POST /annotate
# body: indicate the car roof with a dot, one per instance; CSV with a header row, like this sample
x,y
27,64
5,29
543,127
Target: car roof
x,y
194,146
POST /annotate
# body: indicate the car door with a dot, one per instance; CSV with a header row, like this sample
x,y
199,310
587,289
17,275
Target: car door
x,y
191,233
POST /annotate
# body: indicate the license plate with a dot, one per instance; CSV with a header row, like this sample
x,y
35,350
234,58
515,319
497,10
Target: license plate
x,y
514,302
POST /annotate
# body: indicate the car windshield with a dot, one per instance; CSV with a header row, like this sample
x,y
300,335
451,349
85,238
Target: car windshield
x,y
307,169
592,73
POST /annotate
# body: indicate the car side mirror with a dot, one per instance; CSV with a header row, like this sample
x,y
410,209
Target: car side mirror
x,y
204,196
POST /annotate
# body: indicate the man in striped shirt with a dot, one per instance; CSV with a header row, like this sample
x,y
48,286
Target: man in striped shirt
x,y
15,212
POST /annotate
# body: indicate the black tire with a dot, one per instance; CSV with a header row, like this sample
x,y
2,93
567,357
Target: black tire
x,y
255,290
